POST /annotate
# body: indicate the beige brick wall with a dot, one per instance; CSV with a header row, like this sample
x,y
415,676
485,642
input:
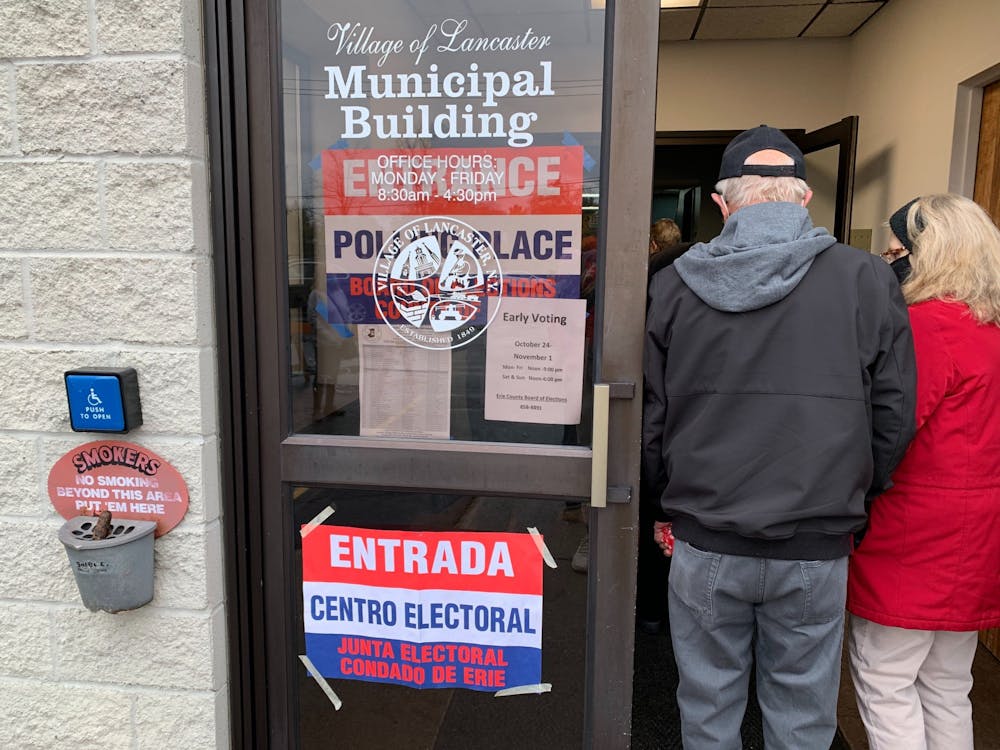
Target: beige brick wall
x,y
105,261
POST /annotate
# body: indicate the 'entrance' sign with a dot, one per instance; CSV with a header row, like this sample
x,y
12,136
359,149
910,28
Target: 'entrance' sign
x,y
423,609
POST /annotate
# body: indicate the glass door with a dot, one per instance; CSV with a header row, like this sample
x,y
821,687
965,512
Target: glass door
x,y
449,280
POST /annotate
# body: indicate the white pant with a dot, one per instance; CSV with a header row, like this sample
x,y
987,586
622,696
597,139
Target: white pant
x,y
912,686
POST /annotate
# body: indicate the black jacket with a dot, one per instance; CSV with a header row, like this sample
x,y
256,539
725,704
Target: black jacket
x,y
765,431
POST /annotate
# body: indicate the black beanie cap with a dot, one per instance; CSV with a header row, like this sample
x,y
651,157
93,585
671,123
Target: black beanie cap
x,y
897,223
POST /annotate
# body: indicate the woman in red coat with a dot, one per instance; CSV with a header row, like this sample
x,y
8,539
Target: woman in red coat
x,y
927,575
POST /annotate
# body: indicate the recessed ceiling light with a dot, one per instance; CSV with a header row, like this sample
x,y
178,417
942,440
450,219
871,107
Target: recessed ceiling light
x,y
600,4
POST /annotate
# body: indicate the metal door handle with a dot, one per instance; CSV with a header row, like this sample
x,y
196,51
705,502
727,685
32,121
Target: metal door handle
x,y
599,441
600,493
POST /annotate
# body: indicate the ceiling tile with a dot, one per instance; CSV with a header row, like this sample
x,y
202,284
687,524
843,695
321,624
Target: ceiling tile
x,y
519,6
757,3
841,19
775,22
676,25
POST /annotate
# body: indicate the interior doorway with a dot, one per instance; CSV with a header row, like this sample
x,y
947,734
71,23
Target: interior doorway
x,y
987,194
987,187
685,171
686,168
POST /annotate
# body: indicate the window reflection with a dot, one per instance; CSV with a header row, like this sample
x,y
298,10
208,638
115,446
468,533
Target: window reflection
x,y
511,162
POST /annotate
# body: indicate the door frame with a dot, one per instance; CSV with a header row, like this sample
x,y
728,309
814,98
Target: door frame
x,y
258,461
965,144
843,134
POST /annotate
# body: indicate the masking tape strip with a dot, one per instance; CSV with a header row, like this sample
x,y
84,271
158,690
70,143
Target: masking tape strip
x,y
542,549
320,517
542,687
324,685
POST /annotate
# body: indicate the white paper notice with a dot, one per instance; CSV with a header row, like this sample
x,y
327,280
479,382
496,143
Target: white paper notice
x,y
534,361
405,391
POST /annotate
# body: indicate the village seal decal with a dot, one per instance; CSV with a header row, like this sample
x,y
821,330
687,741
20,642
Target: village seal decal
x,y
432,279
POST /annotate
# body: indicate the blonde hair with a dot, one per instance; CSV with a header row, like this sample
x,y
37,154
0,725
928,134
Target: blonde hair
x,y
956,255
664,233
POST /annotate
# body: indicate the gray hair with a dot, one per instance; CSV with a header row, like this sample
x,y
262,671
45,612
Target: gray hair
x,y
750,189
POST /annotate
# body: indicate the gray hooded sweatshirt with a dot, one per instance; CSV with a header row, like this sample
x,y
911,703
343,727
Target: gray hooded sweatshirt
x,y
761,255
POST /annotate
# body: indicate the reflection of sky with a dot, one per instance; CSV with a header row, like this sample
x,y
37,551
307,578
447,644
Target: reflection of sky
x,y
570,23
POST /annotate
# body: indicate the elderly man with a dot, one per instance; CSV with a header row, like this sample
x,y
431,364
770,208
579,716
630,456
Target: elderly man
x,y
779,396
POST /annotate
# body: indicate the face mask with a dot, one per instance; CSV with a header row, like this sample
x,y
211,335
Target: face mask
x,y
901,267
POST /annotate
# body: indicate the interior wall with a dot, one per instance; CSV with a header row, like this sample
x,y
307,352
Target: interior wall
x,y
905,68
900,73
739,84
787,83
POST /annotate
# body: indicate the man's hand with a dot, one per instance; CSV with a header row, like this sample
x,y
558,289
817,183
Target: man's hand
x,y
663,535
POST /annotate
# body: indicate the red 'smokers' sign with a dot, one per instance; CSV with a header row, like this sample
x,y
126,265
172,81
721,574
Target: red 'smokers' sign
x,y
124,478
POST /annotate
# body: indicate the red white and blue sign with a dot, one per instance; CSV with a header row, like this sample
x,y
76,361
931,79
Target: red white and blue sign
x,y
423,609
510,209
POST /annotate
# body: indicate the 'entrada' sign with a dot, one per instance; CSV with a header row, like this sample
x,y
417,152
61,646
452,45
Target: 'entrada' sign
x,y
423,609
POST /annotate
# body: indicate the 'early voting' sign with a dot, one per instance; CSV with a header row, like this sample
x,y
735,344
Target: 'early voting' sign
x,y
423,609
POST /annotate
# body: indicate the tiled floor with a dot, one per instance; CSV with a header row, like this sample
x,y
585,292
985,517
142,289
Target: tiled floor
x,y
655,721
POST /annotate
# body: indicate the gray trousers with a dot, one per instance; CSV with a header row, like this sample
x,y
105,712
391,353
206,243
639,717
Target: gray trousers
x,y
789,614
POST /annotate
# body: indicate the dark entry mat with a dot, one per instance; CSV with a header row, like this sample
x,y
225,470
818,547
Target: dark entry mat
x,y
656,720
